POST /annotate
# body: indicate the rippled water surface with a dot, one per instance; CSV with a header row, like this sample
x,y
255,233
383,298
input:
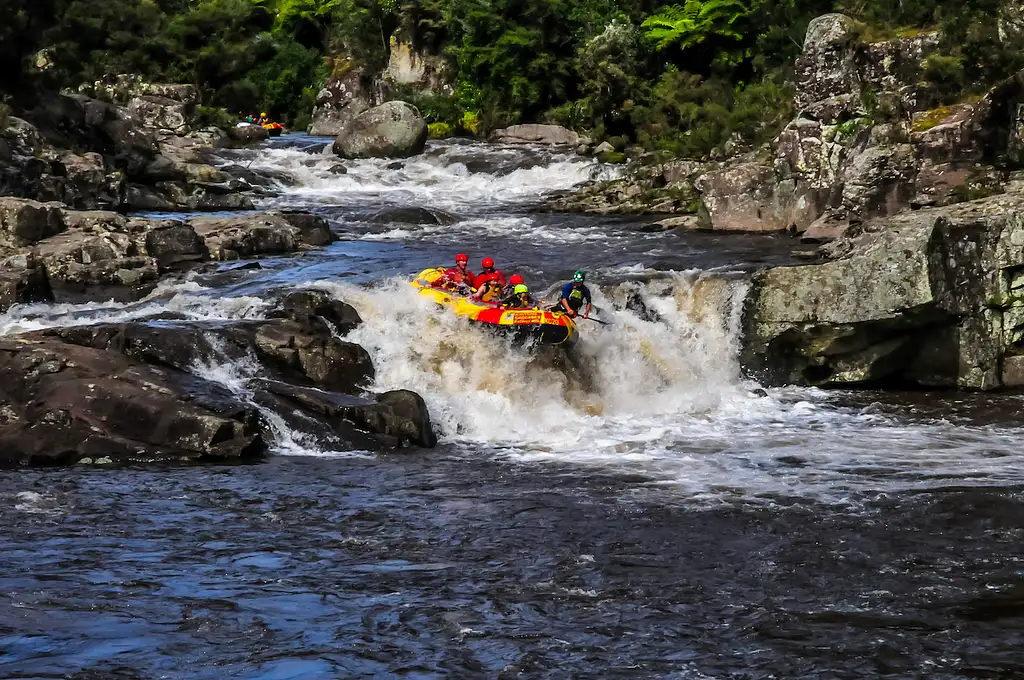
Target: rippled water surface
x,y
636,510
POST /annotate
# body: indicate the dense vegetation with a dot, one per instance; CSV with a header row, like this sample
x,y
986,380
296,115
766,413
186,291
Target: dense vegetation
x,y
681,76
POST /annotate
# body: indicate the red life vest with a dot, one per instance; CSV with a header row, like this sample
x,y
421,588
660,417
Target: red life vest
x,y
453,277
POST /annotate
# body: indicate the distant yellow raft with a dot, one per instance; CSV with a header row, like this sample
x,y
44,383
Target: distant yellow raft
x,y
546,327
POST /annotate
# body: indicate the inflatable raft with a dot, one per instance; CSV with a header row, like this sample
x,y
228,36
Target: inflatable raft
x,y
534,323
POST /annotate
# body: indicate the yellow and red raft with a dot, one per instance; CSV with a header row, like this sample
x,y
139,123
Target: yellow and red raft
x,y
534,323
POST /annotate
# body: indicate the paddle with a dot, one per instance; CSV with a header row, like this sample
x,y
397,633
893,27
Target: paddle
x,y
590,318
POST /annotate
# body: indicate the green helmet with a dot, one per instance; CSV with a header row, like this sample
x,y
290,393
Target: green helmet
x,y
520,288
578,276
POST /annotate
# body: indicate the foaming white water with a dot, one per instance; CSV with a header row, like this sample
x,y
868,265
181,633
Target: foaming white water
x,y
188,299
440,179
484,390
237,376
660,393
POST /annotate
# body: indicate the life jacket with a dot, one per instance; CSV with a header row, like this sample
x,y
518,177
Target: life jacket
x,y
453,278
493,290
575,297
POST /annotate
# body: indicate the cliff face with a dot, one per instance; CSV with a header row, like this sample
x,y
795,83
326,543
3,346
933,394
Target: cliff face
x,y
925,283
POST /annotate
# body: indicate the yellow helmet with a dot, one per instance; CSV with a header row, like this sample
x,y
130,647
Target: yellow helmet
x,y
263,115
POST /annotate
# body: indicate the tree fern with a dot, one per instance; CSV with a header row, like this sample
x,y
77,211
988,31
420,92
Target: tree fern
x,y
695,22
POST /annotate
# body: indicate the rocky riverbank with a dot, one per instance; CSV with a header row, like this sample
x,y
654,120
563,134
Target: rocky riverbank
x,y
72,173
133,392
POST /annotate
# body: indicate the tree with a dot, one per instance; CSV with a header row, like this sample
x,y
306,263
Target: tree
x,y
695,22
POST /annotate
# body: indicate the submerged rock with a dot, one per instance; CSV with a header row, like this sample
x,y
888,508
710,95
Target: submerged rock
x,y
392,130
413,216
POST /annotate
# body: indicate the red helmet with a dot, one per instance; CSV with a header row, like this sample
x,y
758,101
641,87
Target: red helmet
x,y
515,279
461,257
487,263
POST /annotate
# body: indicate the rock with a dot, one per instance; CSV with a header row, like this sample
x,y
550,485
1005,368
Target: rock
x,y
534,133
63,403
338,169
602,148
398,418
303,306
340,100
229,238
23,280
682,223
879,180
87,186
412,216
1013,371
740,197
827,68
313,229
412,68
325,361
923,298
829,226
91,259
392,130
243,135
404,416
162,113
175,243
24,222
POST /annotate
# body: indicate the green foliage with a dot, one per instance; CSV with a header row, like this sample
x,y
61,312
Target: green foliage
x,y
945,73
439,130
613,157
695,22
5,115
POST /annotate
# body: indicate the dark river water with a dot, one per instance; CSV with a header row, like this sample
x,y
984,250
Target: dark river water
x,y
644,511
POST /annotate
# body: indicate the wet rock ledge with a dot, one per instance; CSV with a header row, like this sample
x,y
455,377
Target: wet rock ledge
x,y
47,246
135,392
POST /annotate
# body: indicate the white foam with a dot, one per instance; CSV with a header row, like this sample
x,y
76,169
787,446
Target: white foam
x,y
663,399
436,179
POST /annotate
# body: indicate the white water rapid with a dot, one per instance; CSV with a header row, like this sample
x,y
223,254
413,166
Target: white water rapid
x,y
657,394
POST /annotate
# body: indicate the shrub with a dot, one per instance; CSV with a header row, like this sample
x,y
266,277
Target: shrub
x,y
439,130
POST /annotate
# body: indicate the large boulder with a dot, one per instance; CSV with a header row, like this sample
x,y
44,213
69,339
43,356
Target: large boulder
x,y
63,404
535,133
933,298
341,99
392,130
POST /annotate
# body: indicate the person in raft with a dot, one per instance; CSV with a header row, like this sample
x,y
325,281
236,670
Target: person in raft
x,y
457,278
488,273
490,290
520,298
574,295
509,288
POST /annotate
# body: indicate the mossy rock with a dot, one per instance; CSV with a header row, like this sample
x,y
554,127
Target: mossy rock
x,y
613,157
929,119
439,131
5,116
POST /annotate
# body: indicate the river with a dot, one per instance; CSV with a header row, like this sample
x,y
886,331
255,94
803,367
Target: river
x,y
642,510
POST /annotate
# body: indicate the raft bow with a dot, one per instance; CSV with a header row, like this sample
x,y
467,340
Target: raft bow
x,y
536,323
